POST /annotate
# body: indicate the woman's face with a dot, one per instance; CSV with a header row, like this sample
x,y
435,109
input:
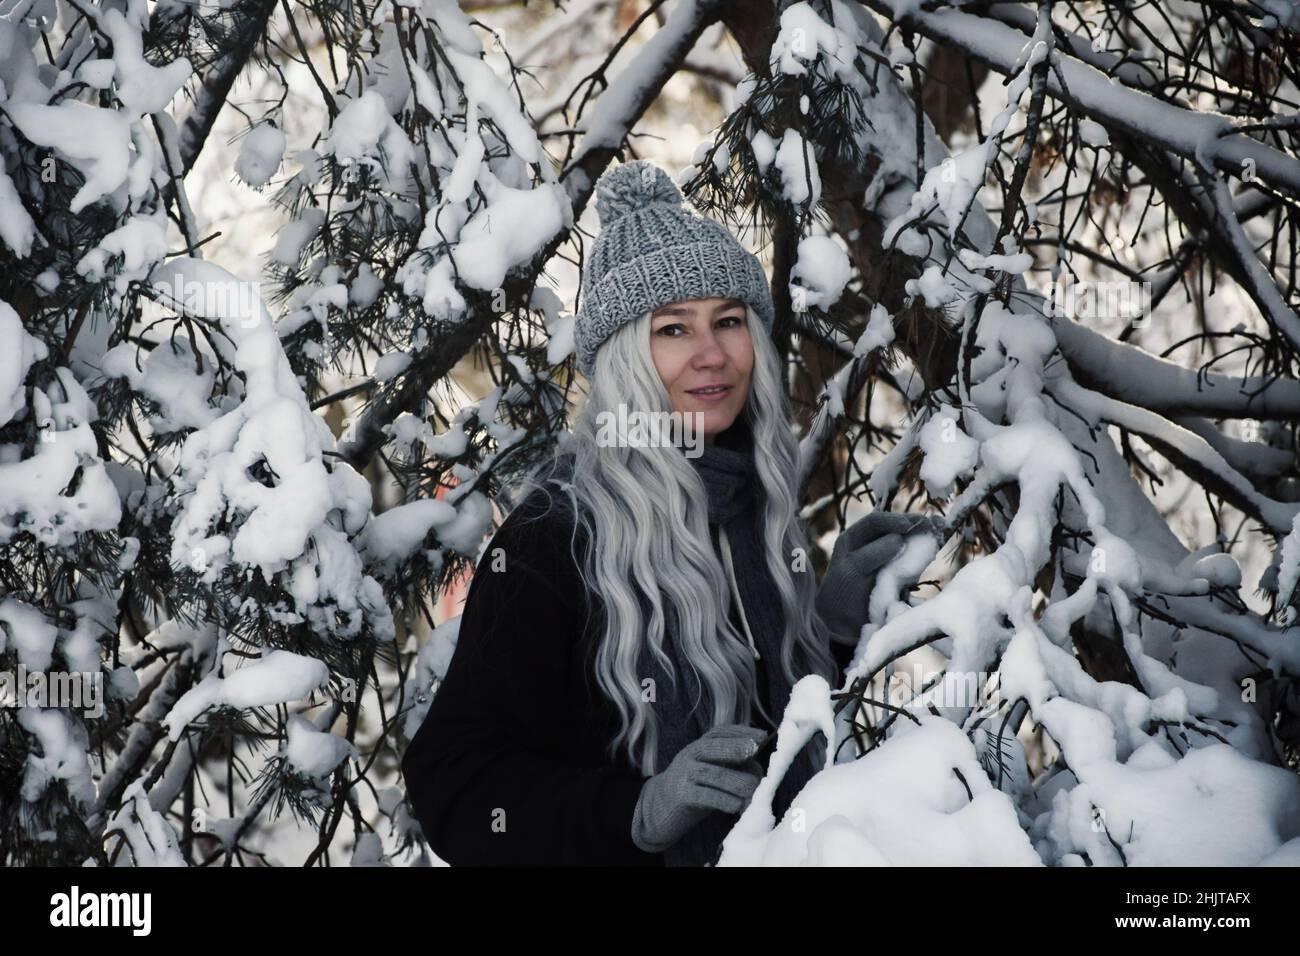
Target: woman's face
x,y
701,343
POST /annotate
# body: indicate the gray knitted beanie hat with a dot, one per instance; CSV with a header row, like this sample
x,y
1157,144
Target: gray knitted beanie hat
x,y
652,251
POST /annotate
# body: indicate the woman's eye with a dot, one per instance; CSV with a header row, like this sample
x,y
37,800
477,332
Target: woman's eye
x,y
666,330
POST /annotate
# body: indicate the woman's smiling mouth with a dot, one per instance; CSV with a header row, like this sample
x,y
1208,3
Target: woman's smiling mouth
x,y
711,393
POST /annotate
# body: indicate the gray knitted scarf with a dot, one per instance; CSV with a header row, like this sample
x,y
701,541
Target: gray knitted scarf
x,y
735,506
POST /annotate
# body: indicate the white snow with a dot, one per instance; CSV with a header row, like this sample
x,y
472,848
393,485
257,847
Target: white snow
x,y
901,804
393,536
764,149
260,155
95,140
279,521
1289,569
1093,133
952,184
800,178
949,452
820,273
18,351
278,677
391,365
918,551
805,37
17,229
514,227
364,128
311,752
141,86
878,334
295,235
141,241
34,499
169,377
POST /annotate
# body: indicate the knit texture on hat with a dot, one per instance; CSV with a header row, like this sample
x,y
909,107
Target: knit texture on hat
x,y
653,250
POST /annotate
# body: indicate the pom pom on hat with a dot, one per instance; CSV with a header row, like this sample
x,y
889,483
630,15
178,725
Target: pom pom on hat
x,y
632,186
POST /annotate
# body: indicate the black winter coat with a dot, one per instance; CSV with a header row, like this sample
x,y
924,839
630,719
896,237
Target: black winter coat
x,y
510,766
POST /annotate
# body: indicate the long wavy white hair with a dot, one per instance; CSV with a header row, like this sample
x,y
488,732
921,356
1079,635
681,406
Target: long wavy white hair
x,y
644,511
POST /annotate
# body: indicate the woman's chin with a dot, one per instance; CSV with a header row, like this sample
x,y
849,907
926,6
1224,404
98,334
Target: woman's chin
x,y
714,420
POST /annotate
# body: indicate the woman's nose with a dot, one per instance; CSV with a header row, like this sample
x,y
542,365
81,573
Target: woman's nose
x,y
709,353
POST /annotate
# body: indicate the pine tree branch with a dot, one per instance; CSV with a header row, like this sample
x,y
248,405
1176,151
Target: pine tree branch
x,y
612,119
1092,93
218,79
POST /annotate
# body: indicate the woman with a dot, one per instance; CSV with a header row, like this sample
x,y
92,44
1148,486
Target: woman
x,y
637,621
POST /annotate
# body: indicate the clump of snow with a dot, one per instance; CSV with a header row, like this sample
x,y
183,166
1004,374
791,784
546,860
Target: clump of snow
x,y
260,155
1218,568
1214,806
514,227
141,86
25,631
809,711
1288,572
488,95
820,273
952,184
804,37
365,288
18,351
150,839
141,241
949,452
257,473
901,804
393,536
764,149
311,752
1093,133
294,236
795,160
430,665
1012,264
918,551
94,140
277,677
36,497
363,130
60,755
878,334
486,243
934,286
391,365
17,229
173,377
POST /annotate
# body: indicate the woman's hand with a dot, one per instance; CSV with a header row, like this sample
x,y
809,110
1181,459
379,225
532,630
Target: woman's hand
x,y
861,550
715,772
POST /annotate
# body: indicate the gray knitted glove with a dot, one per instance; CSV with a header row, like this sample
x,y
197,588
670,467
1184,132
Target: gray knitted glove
x,y
715,772
861,550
